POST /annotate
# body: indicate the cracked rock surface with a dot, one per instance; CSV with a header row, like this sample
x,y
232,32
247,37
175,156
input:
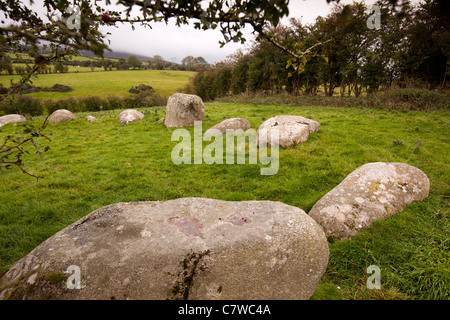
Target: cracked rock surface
x,y
183,110
188,248
373,191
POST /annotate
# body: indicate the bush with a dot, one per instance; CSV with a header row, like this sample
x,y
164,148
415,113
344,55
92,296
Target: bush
x,y
114,102
58,88
150,100
70,104
130,102
3,90
93,103
141,88
51,106
26,105
392,98
413,99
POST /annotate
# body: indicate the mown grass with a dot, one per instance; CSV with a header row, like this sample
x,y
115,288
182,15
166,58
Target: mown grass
x,y
106,83
91,165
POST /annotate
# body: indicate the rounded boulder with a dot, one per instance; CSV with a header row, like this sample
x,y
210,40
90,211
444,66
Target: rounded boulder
x,y
130,116
291,129
91,119
188,248
373,191
11,118
61,115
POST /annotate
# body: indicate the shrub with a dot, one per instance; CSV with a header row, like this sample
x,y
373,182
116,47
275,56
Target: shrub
x,y
70,104
141,88
114,102
27,105
58,88
412,99
150,100
93,103
392,98
51,106
130,102
3,90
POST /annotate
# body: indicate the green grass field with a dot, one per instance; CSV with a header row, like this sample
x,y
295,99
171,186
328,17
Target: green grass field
x,y
91,165
106,83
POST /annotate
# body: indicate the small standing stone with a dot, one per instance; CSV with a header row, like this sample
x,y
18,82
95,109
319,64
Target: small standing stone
x,y
129,116
61,115
183,109
91,119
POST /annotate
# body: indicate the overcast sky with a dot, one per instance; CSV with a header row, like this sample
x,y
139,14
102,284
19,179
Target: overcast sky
x,y
174,43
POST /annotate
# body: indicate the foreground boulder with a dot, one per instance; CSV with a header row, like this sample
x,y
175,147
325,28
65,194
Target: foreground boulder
x,y
189,248
373,191
11,118
233,123
61,115
129,116
183,109
292,130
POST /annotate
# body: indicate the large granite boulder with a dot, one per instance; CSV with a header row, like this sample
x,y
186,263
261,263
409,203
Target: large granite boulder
x,y
373,191
61,115
183,109
233,124
292,130
189,248
130,116
11,118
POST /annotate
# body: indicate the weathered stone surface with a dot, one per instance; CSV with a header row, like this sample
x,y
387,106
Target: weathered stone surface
x,y
292,129
61,115
373,191
129,116
91,119
233,123
189,248
183,109
11,118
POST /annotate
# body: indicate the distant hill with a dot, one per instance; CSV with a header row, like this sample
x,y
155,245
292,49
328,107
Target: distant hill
x,y
116,55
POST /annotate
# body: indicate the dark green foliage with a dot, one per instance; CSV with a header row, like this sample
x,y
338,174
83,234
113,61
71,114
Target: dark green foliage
x,y
393,99
93,103
70,104
340,54
141,88
239,75
114,102
25,105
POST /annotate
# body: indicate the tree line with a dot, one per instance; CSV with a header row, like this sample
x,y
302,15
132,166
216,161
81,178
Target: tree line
x,y
345,56
189,63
